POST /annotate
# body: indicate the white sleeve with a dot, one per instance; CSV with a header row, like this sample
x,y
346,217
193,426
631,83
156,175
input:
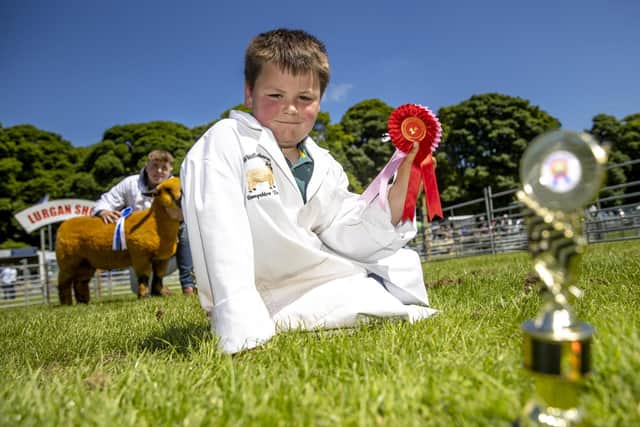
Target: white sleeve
x,y
220,238
359,230
114,199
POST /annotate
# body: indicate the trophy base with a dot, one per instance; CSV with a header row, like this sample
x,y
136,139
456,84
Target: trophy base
x,y
538,415
559,359
561,351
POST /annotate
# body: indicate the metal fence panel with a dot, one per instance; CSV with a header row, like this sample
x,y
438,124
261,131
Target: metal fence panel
x,y
31,287
494,223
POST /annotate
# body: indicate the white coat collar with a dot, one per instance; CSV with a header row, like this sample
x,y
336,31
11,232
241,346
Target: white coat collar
x,y
268,142
320,165
245,118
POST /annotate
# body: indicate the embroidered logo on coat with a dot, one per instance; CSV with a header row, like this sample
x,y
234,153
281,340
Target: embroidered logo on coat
x,y
260,179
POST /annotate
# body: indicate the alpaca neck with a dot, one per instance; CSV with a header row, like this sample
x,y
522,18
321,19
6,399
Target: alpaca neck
x,y
166,227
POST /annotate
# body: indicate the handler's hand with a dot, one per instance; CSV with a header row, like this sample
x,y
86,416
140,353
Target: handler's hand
x,y
109,217
398,191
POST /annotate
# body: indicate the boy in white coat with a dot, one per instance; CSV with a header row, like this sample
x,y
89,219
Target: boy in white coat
x,y
278,242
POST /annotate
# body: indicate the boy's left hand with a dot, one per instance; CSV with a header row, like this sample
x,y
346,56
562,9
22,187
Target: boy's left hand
x,y
398,191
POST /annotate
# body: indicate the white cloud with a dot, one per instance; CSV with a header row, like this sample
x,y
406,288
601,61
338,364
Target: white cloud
x,y
337,92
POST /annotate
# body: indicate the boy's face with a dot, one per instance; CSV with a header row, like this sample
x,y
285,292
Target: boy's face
x,y
158,171
284,103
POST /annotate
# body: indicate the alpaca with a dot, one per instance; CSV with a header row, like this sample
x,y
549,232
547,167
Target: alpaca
x,y
84,244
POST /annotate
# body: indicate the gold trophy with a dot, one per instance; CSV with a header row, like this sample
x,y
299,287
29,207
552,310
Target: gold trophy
x,y
561,172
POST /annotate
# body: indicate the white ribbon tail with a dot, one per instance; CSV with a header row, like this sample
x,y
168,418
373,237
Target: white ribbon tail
x,y
119,239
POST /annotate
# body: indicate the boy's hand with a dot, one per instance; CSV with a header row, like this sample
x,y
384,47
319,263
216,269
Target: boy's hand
x,y
398,191
108,216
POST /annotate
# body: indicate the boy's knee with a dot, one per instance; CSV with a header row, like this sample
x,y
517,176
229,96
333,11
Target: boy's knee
x,y
407,259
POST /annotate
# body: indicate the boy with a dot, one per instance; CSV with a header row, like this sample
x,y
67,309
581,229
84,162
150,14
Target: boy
x,y
130,192
278,242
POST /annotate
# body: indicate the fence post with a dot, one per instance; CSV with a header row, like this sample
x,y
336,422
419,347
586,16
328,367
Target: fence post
x,y
488,205
110,284
42,268
46,283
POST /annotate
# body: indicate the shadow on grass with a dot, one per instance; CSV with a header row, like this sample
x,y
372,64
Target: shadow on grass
x,y
178,339
107,300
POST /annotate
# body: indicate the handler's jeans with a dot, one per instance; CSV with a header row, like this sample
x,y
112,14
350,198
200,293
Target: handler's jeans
x,y
181,260
184,260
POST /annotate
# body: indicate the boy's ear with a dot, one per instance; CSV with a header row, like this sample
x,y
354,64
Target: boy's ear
x,y
248,98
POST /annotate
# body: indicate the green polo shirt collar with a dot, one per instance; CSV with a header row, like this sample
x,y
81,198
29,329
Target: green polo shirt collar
x,y
302,170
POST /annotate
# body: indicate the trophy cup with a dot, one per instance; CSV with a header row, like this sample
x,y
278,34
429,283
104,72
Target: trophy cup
x,y
561,171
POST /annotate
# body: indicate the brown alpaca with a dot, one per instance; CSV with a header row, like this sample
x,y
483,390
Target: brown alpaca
x,y
83,244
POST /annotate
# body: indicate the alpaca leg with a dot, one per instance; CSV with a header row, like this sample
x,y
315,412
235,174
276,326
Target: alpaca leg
x,y
143,285
65,283
159,271
142,266
156,286
81,290
81,285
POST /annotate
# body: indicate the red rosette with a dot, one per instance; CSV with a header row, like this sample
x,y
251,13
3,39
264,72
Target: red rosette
x,y
411,123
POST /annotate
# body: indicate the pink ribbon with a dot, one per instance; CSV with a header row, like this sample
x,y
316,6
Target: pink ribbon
x,y
381,182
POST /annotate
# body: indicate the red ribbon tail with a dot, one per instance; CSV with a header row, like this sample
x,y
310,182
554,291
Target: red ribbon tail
x,y
412,194
431,193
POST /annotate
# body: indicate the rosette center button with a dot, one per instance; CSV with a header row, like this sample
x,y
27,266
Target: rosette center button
x,y
413,129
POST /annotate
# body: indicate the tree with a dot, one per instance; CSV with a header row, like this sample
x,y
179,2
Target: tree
x,y
623,139
629,142
337,141
108,169
82,185
366,123
607,130
484,138
131,143
320,128
34,163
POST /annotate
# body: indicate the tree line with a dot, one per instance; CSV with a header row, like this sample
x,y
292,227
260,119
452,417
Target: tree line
x,y
483,140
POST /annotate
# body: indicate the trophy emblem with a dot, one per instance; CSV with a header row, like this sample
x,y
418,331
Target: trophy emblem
x,y
561,171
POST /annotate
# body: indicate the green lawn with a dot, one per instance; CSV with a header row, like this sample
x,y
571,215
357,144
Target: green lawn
x,y
124,362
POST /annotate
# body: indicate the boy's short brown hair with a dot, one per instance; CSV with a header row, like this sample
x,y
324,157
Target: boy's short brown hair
x,y
160,156
294,51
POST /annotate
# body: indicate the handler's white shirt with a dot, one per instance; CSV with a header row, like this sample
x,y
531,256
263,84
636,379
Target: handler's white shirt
x,y
265,261
127,193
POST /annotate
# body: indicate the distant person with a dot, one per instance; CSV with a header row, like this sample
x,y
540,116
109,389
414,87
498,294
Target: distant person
x,y
133,192
8,276
278,241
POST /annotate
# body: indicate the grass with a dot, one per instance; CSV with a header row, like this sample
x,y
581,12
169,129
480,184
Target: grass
x,y
124,362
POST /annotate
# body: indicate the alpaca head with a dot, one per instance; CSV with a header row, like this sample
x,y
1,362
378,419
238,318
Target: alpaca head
x,y
167,194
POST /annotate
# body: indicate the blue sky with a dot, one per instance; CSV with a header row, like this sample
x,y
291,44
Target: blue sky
x,y
77,68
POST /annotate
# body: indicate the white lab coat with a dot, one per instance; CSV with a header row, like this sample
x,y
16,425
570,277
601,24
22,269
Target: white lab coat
x,y
127,193
265,261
